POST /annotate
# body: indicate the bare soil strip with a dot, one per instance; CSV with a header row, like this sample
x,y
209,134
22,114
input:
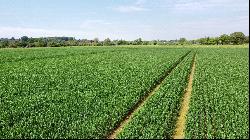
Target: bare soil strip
x,y
143,100
181,121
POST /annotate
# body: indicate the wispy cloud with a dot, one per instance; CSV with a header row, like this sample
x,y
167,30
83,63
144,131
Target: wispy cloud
x,y
87,24
198,5
212,27
128,9
172,19
18,32
140,2
138,6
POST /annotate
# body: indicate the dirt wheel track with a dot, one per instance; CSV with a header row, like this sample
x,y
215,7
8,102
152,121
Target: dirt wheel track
x,y
144,99
179,132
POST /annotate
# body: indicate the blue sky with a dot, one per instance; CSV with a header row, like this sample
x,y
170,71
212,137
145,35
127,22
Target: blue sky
x,y
123,19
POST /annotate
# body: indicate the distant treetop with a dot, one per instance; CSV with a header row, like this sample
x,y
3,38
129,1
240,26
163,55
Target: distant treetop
x,y
235,38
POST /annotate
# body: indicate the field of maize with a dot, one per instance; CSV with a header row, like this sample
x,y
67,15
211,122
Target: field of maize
x,y
123,92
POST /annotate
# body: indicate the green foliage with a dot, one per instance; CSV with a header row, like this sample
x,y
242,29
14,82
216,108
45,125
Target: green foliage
x,y
74,92
237,38
246,39
156,119
137,41
220,98
24,39
107,42
183,41
224,39
84,92
4,44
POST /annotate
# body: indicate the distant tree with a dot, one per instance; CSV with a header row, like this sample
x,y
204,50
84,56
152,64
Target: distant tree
x,y
13,44
164,42
182,41
207,40
4,44
96,42
216,40
53,43
70,42
32,40
237,38
193,42
145,43
24,38
138,41
212,41
173,42
153,42
224,39
120,42
24,41
161,42
41,43
202,41
246,39
107,42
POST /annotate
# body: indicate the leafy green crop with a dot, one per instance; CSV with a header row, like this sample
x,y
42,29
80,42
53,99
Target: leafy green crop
x,y
86,92
76,96
157,118
14,55
220,97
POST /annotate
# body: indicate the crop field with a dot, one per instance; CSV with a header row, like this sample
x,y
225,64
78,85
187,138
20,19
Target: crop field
x,y
123,92
220,100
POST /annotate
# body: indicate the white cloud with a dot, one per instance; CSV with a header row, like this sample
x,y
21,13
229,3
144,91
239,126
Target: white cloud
x,y
210,27
198,5
138,6
87,24
189,26
18,32
88,29
127,9
140,2
102,29
115,30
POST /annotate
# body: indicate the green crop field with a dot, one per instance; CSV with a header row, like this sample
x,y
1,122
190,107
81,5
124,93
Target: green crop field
x,y
128,92
220,101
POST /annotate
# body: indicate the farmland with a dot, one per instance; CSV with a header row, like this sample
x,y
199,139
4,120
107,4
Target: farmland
x,y
87,92
157,118
220,99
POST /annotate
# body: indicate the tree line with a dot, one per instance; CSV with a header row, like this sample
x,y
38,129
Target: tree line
x,y
235,38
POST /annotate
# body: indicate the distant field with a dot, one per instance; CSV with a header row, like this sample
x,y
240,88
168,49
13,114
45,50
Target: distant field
x,y
123,92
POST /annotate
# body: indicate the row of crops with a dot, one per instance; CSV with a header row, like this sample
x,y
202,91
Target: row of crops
x,y
87,92
158,116
220,98
79,95
14,55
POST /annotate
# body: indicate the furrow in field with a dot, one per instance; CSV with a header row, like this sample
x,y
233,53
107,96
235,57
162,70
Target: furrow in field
x,y
144,99
181,121
157,118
